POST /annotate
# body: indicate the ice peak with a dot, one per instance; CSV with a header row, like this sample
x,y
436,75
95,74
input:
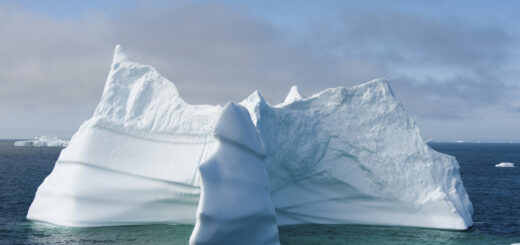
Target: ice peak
x,y
382,84
235,125
253,103
257,96
253,98
119,55
133,89
293,95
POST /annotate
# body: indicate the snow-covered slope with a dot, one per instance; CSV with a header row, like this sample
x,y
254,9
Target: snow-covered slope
x,y
43,141
235,204
136,160
355,156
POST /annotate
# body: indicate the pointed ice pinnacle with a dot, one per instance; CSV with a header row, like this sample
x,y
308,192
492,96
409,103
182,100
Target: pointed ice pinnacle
x,y
233,127
119,55
235,205
293,95
252,103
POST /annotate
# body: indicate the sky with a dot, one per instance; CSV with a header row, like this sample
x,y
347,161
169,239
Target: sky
x,y
454,65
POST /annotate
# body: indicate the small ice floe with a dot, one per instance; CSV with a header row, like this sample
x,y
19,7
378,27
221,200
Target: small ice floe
x,y
505,165
459,141
43,141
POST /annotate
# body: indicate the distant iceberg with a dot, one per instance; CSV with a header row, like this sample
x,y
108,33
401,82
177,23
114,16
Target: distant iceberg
x,y
43,141
505,165
342,156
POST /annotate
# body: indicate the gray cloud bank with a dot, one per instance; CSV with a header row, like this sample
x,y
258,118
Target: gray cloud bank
x,y
52,71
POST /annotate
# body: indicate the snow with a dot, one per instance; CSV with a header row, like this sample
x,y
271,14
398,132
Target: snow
x,y
342,156
505,165
43,141
354,156
235,205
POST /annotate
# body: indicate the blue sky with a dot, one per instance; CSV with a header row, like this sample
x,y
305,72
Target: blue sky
x,y
453,64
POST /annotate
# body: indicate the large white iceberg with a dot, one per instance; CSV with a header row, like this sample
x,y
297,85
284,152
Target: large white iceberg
x,y
43,141
355,156
340,156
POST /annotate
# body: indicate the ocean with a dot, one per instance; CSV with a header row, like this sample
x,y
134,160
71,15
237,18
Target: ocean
x,y
495,193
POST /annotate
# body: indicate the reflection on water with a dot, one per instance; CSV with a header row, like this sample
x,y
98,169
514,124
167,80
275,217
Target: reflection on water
x,y
38,233
365,234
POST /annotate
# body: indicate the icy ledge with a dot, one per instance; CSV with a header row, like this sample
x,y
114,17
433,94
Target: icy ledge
x,y
354,156
43,141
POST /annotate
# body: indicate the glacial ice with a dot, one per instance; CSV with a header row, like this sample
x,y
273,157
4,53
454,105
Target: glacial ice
x,y
341,156
505,165
43,141
354,156
235,205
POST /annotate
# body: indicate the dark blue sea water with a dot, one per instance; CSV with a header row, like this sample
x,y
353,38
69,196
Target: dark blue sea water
x,y
495,193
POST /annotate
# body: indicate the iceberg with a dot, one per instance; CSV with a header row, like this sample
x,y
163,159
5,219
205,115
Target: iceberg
x,y
235,205
354,156
342,156
505,165
43,141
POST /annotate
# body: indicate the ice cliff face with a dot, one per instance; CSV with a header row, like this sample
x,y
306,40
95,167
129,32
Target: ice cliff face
x,y
340,156
355,156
